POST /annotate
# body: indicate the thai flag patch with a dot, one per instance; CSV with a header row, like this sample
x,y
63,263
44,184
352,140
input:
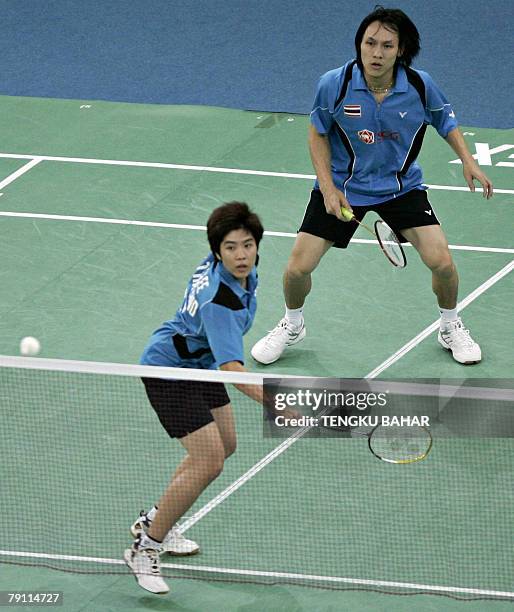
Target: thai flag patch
x,y
353,110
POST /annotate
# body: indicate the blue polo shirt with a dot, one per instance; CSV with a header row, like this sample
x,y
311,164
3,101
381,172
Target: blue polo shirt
x,y
207,330
374,146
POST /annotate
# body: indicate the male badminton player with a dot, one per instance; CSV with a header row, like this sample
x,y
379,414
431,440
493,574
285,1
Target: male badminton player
x,y
367,126
206,332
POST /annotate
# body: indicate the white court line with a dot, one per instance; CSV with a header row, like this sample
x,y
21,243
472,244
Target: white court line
x,y
287,575
116,162
12,177
6,213
277,451
139,164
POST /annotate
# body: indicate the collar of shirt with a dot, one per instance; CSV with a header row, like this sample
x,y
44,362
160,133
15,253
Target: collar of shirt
x,y
234,284
400,84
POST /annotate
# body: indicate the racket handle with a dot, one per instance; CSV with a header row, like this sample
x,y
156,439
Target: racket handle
x,y
347,214
351,217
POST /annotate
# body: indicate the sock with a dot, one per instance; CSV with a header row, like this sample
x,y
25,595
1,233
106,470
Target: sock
x,y
147,542
448,315
150,515
294,316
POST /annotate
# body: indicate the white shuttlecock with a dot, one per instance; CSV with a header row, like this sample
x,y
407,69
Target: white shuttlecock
x,y
29,346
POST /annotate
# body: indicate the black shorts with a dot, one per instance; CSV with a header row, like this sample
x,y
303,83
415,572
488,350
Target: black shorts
x,y
184,406
411,209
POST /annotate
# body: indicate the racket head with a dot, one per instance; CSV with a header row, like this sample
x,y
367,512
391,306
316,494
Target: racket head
x,y
400,444
390,244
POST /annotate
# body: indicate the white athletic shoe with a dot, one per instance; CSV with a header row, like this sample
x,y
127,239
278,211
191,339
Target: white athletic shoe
x,y
174,543
270,348
454,337
146,565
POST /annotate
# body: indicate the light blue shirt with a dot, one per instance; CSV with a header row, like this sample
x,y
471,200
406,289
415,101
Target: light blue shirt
x,y
374,146
209,326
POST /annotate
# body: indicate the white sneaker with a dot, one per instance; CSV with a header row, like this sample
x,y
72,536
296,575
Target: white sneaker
x,y
270,348
454,337
146,565
174,543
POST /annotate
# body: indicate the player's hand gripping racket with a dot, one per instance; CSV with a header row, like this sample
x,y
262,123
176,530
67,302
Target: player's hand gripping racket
x,y
387,239
398,443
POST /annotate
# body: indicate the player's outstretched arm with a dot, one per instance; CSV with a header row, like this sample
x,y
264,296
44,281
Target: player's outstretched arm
x,y
470,168
319,147
253,391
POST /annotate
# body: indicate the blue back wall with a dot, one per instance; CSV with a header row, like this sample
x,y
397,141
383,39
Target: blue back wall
x,y
264,55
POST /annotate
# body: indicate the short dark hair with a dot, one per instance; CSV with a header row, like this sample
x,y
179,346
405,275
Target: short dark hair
x,y
398,21
229,217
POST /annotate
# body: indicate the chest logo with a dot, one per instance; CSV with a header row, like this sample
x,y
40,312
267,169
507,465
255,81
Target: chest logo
x,y
402,115
352,110
366,136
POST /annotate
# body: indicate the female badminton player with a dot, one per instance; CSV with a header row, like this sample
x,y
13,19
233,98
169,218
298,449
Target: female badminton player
x,y
207,333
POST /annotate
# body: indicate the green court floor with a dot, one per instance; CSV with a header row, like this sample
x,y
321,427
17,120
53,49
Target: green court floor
x,y
99,237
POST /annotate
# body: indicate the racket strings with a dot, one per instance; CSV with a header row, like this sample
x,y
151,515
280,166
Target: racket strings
x,y
390,244
400,444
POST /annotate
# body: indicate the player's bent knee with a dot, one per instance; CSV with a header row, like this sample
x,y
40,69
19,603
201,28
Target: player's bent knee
x,y
303,260
443,265
214,469
209,466
230,448
440,262
298,267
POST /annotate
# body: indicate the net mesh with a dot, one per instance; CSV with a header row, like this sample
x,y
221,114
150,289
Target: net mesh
x,y
82,453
